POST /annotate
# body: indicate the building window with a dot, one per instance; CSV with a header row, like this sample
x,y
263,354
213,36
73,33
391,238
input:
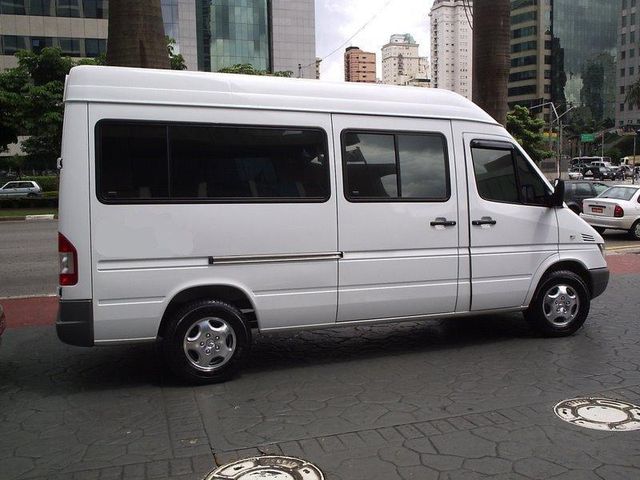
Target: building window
x,y
622,107
624,21
622,71
623,39
631,71
632,52
524,32
523,61
623,54
632,19
621,89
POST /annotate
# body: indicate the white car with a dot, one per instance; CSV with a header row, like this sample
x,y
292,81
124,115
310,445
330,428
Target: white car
x,y
23,188
617,208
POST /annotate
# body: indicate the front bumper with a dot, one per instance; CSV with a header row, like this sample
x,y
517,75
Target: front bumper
x,y
75,322
617,223
599,281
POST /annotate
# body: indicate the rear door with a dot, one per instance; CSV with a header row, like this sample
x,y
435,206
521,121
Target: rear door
x,y
512,232
397,217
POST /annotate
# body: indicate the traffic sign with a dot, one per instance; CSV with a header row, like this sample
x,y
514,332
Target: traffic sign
x,y
587,137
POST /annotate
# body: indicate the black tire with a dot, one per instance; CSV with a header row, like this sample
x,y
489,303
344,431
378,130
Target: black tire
x,y
634,231
565,283
217,315
600,230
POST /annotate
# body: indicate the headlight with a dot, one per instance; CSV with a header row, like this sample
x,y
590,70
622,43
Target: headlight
x,y
602,248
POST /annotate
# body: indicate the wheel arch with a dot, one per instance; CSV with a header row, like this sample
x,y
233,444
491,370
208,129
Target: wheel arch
x,y
227,292
555,264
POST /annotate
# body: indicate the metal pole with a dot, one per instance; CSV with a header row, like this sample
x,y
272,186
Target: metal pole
x,y
559,150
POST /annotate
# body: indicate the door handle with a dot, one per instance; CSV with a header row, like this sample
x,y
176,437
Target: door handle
x,y
443,222
483,221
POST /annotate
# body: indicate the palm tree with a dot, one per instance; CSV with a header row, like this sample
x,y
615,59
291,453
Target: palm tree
x,y
633,94
491,56
136,34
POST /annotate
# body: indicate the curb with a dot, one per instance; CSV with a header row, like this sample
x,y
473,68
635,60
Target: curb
x,y
29,218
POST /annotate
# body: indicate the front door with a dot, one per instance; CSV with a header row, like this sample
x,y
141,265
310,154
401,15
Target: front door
x,y
397,217
512,231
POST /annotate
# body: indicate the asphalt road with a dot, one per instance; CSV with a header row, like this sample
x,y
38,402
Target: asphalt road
x,y
28,258
29,262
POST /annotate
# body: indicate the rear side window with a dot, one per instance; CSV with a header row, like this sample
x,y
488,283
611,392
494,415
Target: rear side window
x,y
381,166
178,163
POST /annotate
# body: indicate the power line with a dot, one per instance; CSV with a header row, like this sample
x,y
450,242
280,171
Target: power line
x,y
339,47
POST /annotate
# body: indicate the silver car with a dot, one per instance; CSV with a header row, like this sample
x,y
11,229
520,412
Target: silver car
x,y
20,188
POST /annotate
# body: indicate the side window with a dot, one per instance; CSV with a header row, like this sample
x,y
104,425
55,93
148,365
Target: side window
x,y
533,190
495,175
599,188
504,175
583,189
395,166
178,163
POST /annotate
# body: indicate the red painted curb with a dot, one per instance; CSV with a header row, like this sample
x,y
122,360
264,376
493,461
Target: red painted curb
x,y
623,264
30,312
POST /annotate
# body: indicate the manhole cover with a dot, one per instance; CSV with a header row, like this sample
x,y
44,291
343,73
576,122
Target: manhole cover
x,y
600,414
271,467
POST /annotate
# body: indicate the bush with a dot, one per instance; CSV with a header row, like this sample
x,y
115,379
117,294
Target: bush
x,y
29,202
48,184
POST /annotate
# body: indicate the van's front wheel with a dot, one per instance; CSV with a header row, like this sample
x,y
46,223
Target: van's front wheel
x,y
560,306
206,341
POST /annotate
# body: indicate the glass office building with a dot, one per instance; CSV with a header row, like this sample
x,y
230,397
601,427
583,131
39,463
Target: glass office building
x,y
233,32
564,51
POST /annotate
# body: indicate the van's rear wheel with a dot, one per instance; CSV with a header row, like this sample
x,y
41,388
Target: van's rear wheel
x,y
206,341
560,306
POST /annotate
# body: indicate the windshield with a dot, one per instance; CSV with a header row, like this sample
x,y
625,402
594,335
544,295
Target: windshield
x,y
619,193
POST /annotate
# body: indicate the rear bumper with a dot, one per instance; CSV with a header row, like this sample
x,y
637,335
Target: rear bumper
x,y
75,322
621,223
599,281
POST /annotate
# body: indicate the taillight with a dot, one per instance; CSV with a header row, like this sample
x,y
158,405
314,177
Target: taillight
x,y
68,259
618,211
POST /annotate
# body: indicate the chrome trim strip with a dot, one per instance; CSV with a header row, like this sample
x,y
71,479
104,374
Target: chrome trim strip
x,y
294,257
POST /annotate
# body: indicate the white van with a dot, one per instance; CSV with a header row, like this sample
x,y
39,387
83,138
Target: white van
x,y
197,208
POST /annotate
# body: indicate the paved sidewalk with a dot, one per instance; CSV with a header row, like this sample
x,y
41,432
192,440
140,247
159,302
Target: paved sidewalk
x,y
468,398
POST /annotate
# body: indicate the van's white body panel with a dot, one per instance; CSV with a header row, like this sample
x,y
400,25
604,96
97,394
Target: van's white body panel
x,y
305,264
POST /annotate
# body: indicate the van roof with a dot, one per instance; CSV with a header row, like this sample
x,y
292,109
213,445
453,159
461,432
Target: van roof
x,y
169,87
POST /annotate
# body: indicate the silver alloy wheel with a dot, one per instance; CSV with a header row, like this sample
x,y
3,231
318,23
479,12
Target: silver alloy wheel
x,y
561,305
209,343
636,230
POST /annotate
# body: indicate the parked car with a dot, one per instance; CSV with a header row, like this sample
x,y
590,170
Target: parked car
x,y
22,188
575,173
617,208
199,209
599,173
3,322
577,191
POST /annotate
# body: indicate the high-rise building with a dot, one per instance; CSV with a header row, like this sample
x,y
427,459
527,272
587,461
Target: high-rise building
x,y
401,61
452,45
359,66
564,51
274,35
628,65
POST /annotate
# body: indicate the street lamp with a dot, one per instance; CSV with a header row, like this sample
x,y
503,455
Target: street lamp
x,y
560,128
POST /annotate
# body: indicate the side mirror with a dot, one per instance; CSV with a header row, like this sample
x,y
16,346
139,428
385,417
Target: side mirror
x,y
556,199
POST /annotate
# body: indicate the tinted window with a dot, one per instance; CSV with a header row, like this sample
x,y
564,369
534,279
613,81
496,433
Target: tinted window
x,y
381,166
132,162
532,189
504,175
495,175
371,165
210,163
236,163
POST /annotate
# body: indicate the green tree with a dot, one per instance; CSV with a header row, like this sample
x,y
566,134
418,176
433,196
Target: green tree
x,y
633,94
248,69
31,100
176,60
528,131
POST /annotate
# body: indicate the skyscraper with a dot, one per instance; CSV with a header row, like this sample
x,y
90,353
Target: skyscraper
x,y
359,66
452,45
564,51
401,61
628,66
274,35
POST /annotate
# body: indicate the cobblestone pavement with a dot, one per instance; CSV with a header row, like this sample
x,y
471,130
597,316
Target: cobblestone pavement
x,y
468,398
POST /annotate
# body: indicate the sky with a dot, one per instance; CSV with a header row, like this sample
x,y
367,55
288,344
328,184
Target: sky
x,y
337,20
